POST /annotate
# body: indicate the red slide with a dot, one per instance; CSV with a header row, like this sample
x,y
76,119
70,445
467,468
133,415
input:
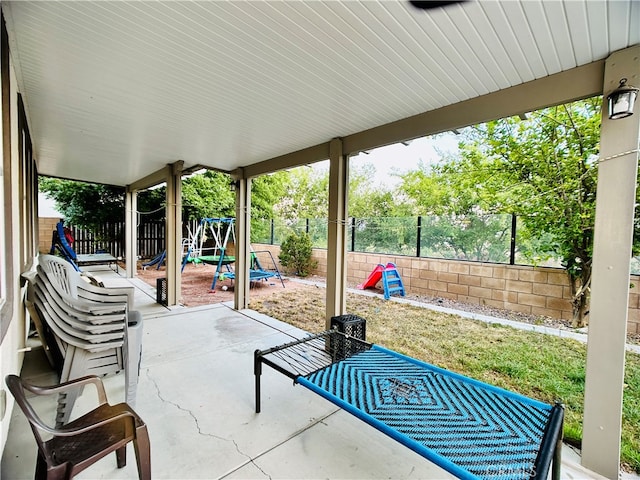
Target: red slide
x,y
373,278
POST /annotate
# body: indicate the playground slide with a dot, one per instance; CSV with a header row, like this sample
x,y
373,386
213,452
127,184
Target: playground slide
x,y
373,278
157,260
59,242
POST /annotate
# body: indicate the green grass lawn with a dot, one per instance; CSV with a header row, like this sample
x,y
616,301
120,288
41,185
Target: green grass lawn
x,y
540,366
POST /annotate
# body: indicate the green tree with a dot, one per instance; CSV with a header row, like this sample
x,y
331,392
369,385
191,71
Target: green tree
x,y
207,195
85,205
307,198
542,169
382,214
305,195
151,204
308,189
368,199
295,254
459,220
475,236
266,192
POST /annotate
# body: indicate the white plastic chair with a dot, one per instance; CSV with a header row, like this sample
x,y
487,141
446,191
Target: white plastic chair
x,y
92,327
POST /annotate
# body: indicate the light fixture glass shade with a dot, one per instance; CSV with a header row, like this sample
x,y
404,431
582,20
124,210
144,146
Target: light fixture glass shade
x,y
621,100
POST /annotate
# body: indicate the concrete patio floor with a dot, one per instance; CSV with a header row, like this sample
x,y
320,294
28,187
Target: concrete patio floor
x,y
196,394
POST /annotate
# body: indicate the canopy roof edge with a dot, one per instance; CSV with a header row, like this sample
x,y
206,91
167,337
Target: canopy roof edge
x,y
580,82
570,85
305,156
159,176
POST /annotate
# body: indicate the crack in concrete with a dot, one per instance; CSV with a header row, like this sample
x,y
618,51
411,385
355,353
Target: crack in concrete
x,y
200,431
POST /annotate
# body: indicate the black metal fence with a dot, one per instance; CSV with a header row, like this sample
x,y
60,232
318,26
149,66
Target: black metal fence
x,y
482,238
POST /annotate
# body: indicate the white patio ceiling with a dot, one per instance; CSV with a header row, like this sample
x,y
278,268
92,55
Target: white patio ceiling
x,y
116,90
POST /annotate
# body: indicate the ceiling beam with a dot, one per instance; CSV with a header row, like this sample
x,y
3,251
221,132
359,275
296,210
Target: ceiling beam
x,y
305,156
568,86
564,87
151,180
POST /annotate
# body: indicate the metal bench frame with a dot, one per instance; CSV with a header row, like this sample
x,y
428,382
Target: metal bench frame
x,y
317,360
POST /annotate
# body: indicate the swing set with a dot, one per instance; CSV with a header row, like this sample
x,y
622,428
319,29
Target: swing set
x,y
216,228
220,231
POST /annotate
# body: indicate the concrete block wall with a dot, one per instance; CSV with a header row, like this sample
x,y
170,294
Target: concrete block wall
x,y
46,227
537,291
532,290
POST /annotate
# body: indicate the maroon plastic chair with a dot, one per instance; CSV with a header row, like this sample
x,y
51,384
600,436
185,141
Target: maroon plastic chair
x,y
85,440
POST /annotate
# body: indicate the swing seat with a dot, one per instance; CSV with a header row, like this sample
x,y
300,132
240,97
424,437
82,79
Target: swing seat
x,y
256,273
215,259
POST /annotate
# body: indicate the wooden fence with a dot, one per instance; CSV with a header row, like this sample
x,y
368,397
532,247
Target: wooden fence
x,y
111,239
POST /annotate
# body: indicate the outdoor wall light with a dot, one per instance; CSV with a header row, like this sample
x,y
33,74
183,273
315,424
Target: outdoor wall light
x,y
621,100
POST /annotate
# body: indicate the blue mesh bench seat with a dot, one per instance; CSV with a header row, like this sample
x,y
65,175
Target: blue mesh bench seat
x,y
471,429
256,273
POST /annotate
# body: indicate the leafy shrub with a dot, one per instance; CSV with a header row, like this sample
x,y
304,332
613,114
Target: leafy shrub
x,y
295,254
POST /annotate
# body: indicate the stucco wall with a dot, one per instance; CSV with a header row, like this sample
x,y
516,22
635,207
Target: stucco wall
x,y
531,290
12,312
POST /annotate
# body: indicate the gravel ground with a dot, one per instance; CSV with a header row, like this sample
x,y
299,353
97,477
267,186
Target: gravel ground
x,y
500,313
633,338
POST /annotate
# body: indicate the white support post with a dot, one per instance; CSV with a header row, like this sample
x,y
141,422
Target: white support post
x,y
131,235
616,195
336,303
243,242
174,232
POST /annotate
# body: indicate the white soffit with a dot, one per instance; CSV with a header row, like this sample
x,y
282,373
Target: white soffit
x,y
117,90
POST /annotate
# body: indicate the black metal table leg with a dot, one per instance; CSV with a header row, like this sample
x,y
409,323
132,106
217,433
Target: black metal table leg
x,y
557,454
257,371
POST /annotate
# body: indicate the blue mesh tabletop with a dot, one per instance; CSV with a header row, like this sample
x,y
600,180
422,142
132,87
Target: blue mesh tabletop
x,y
471,429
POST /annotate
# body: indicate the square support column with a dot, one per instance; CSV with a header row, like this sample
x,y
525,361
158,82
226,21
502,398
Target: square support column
x,y
336,299
613,235
171,175
131,235
243,245
174,232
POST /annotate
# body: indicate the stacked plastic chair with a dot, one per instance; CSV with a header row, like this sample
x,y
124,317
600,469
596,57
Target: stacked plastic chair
x,y
90,328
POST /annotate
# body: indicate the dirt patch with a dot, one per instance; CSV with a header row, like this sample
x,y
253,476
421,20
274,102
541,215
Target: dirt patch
x,y
198,278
